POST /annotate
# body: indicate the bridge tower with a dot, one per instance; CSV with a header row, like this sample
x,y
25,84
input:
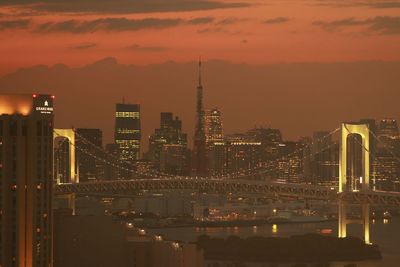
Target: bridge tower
x,y
69,134
363,131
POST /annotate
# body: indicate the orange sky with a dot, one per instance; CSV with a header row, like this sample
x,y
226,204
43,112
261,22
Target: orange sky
x,y
346,31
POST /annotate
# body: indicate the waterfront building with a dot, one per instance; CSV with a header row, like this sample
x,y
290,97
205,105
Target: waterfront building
x,y
26,180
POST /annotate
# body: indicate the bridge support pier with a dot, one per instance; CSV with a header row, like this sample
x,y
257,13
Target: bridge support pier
x,y
363,131
71,197
343,221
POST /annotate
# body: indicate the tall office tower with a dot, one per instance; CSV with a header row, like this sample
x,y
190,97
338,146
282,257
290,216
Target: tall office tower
x,y
168,146
213,126
199,149
89,144
385,165
215,145
26,170
127,135
242,153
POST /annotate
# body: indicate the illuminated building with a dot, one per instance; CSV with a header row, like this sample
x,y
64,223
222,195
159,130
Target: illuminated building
x,y
127,134
173,159
213,126
89,142
199,149
270,139
290,164
26,182
217,158
242,153
386,167
168,146
215,144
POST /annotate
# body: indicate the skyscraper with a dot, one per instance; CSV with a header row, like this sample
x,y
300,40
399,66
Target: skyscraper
x,y
199,150
168,145
213,129
26,169
128,132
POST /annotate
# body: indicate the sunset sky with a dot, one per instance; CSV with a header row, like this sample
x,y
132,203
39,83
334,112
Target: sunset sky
x,y
346,55
77,32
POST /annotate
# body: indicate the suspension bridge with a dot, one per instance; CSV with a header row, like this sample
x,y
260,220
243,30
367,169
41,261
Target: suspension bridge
x,y
240,183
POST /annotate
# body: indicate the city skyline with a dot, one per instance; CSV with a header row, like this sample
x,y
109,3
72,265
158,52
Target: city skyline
x,y
199,133
278,88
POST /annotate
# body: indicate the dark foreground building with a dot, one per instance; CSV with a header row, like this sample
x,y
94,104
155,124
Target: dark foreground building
x,y
26,162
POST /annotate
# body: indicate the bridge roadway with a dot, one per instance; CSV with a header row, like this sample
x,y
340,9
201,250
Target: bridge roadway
x,y
224,186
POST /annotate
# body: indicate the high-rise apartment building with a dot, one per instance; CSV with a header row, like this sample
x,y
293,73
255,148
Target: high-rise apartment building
x,y
26,182
127,136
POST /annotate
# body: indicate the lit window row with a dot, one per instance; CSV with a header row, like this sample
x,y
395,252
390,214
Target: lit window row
x,y
127,114
127,131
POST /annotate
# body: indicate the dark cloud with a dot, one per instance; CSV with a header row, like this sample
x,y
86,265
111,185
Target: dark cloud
x,y
358,3
121,6
137,47
203,20
212,30
276,20
382,4
379,25
84,46
14,24
228,21
116,24
385,25
337,24
107,24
